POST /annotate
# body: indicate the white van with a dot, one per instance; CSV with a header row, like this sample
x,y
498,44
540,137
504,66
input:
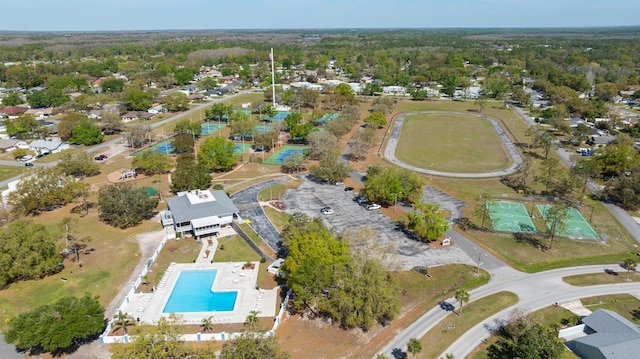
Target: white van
x,y
26,158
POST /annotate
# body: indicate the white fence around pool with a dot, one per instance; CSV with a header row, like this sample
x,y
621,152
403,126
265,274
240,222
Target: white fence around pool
x,y
105,338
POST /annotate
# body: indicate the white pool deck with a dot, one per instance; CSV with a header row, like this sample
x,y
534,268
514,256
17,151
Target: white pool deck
x,y
148,307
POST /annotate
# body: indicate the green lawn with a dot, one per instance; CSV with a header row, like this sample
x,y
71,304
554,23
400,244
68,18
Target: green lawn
x,y
276,191
235,250
7,172
279,219
549,316
453,326
451,143
585,280
626,305
179,251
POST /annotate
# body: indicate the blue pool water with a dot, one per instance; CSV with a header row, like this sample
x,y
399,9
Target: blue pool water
x,y
192,293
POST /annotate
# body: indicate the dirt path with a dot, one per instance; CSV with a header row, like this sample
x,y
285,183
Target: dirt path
x,y
148,242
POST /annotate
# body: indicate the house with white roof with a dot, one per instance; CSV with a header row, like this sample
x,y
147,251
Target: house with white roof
x,y
201,213
42,146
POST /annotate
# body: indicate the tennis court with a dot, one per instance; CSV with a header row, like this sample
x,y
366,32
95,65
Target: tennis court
x,y
280,116
208,128
510,217
240,148
577,226
279,157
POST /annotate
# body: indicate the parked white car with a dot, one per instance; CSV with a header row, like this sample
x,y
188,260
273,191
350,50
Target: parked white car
x,y
373,206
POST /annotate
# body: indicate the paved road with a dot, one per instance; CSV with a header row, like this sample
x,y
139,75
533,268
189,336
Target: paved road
x,y
8,351
246,201
390,149
535,291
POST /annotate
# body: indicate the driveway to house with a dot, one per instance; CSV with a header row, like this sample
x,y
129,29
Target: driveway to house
x,y
246,201
390,149
407,252
535,292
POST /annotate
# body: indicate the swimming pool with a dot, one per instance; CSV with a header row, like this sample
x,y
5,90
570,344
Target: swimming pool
x,y
193,293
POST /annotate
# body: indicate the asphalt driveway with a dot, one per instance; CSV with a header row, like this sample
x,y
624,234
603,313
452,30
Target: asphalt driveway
x,y
310,197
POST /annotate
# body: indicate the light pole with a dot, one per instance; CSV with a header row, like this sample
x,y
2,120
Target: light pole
x,y
479,255
395,200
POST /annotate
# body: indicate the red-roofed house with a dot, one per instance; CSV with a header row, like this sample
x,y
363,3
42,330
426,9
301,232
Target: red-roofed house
x,y
13,111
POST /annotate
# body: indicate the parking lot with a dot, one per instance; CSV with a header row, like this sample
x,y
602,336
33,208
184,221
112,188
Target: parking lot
x,y
310,197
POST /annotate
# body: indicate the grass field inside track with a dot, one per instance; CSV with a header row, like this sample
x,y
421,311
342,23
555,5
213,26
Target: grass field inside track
x,y
451,143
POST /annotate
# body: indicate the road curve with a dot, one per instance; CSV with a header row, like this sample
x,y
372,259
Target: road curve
x,y
390,149
535,291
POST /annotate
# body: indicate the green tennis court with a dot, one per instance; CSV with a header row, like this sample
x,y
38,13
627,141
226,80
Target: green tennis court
x,y
510,217
577,226
279,157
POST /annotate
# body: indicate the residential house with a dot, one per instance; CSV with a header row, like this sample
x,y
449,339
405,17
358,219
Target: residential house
x,y
10,145
135,115
40,113
42,146
600,141
394,90
157,109
195,96
603,334
95,114
200,213
13,111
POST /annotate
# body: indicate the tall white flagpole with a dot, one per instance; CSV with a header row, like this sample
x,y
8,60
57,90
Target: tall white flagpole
x,y
273,79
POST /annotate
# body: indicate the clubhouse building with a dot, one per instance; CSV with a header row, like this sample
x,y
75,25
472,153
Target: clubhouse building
x,y
199,213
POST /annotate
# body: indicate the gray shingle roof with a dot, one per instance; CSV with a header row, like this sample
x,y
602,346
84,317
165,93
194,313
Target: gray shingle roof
x,y
184,211
615,337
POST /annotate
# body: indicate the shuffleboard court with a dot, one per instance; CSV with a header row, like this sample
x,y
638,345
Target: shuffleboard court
x,y
281,156
510,217
577,225
278,117
263,128
240,148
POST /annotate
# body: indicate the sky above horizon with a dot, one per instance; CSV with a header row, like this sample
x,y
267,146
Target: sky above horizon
x,y
114,15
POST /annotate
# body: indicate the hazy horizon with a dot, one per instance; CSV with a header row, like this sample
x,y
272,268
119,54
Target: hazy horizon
x,y
211,15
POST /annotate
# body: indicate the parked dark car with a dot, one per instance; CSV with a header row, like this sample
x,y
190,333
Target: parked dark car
x,y
28,164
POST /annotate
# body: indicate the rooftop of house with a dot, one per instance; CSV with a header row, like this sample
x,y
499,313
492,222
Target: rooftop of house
x,y
609,336
190,205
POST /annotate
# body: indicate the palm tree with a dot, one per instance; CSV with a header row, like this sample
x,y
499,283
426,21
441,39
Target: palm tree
x,y
629,264
252,319
414,346
123,319
207,324
462,296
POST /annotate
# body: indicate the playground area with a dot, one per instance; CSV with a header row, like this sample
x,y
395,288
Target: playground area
x,y
279,117
577,225
510,217
283,153
124,175
209,127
